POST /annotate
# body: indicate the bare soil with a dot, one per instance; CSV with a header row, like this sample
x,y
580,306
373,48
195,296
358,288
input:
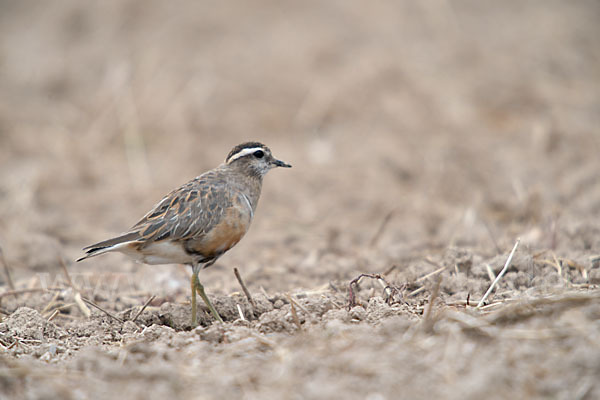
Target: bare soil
x,y
425,139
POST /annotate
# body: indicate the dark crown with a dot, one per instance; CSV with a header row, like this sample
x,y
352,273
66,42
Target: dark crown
x,y
240,147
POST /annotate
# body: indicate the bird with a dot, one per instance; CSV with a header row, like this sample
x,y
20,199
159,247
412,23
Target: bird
x,y
199,221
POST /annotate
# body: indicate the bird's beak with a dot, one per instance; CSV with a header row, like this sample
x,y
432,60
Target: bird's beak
x,y
279,163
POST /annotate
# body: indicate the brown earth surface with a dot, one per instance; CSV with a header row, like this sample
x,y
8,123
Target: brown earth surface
x,y
425,138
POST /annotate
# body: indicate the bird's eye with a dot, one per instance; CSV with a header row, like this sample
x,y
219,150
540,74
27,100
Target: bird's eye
x,y
259,154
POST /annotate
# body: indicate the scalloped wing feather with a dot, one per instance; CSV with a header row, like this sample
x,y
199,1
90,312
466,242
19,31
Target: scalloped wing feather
x,y
187,212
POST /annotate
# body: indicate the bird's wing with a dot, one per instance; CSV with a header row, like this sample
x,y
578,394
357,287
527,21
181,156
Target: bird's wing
x,y
187,212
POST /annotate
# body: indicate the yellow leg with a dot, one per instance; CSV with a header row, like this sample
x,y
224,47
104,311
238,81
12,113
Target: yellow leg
x,y
197,287
194,307
213,311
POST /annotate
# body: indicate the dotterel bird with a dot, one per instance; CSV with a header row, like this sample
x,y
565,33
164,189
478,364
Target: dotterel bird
x,y
198,222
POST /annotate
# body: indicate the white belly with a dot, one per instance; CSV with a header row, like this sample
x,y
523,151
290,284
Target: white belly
x,y
164,252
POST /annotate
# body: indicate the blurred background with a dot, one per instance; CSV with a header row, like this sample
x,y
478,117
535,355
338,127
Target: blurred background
x,y
411,126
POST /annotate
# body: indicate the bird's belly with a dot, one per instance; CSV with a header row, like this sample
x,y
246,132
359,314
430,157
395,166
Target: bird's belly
x,y
163,252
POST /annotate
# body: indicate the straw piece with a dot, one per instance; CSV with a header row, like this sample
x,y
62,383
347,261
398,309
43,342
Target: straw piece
x,y
510,257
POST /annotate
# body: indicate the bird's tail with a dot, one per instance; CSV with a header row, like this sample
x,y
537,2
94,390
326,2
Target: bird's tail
x,y
108,245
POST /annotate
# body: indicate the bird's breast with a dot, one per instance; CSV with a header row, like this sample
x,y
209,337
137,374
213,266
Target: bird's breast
x,y
225,234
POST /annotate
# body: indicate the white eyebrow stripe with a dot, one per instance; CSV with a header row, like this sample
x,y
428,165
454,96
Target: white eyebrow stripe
x,y
243,152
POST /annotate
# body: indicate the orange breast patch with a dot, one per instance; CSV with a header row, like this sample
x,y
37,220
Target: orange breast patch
x,y
226,234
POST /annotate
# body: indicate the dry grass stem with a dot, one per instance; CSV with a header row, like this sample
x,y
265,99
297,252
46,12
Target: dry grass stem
x,y
558,265
490,272
122,356
389,270
263,340
240,312
63,307
428,260
539,253
294,313
300,306
416,291
492,305
91,303
573,264
143,308
510,257
50,303
387,288
264,292
246,292
63,265
325,288
54,314
7,272
434,294
85,310
551,264
429,275
28,290
384,223
520,310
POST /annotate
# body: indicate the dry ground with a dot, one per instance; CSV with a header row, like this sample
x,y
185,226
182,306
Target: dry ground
x,y
426,137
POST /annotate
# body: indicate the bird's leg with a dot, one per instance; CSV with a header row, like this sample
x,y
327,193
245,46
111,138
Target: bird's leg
x,y
200,290
197,287
193,283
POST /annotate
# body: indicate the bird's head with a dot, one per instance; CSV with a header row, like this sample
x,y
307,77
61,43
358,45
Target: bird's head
x,y
254,158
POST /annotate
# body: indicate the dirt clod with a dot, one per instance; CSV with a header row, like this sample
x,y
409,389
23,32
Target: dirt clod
x,y
26,323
